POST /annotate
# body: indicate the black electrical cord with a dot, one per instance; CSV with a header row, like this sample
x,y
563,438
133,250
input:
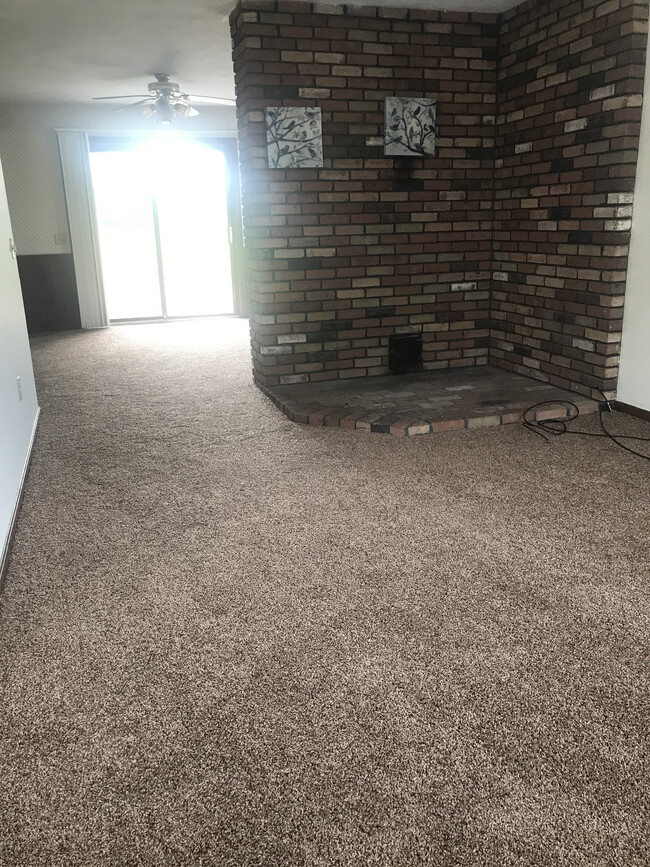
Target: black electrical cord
x,y
549,427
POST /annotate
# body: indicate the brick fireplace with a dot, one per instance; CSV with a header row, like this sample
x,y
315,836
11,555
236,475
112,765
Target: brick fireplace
x,y
507,246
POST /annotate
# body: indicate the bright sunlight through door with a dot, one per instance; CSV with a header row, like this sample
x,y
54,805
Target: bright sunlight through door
x,y
163,226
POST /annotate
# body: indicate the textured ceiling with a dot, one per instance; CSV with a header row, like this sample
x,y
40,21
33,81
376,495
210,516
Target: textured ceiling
x,y
72,50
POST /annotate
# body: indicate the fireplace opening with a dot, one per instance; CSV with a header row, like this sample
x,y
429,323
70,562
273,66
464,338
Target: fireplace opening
x,y
405,353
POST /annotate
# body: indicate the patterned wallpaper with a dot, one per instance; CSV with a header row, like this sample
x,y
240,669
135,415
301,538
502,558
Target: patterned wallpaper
x,y
30,158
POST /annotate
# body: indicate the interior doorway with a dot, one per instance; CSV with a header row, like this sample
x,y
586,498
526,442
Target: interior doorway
x,y
167,223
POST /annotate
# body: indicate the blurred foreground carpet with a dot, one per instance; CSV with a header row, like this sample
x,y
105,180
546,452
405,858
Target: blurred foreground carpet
x,y
226,639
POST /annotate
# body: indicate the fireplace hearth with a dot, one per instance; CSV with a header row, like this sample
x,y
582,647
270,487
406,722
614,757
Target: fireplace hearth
x,y
427,402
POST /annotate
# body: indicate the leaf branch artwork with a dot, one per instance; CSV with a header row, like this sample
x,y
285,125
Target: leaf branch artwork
x,y
294,137
410,126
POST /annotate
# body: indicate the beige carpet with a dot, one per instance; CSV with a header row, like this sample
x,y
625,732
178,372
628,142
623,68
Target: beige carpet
x,y
226,639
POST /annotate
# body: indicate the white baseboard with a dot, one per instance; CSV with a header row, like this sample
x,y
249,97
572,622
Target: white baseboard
x,y
4,559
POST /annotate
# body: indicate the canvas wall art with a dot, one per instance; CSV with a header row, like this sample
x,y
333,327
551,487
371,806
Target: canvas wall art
x,y
294,137
410,126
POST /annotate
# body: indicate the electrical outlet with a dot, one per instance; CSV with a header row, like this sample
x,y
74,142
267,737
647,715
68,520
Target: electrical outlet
x,y
20,388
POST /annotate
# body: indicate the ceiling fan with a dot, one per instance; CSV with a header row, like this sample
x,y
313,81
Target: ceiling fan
x,y
166,100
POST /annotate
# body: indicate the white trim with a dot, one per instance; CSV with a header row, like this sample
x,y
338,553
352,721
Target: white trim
x,y
75,162
4,554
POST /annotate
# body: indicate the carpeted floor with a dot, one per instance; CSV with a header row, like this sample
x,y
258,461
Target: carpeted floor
x,y
226,639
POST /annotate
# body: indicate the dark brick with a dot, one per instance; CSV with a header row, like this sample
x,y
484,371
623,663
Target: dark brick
x,y
306,264
580,237
563,165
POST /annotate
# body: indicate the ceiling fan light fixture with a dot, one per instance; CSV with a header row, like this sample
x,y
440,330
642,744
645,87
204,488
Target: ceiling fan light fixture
x,y
164,112
185,110
147,110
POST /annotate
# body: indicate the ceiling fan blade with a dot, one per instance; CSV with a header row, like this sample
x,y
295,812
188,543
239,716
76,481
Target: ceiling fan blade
x,y
123,96
216,100
132,104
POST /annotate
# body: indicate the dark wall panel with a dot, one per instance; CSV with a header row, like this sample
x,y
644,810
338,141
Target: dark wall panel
x,y
49,292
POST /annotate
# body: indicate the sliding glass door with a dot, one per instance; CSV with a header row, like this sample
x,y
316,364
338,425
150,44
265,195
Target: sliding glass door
x,y
193,223
126,236
164,228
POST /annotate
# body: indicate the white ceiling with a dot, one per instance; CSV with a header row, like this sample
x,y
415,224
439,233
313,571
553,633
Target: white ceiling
x,y
72,50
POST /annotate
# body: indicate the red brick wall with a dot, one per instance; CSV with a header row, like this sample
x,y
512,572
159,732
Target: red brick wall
x,y
343,256
569,109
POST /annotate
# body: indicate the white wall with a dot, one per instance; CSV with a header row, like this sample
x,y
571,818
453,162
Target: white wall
x,y
32,167
634,370
17,417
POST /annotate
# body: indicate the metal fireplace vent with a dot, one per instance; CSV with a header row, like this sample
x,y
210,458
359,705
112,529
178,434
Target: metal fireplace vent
x,y
405,353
